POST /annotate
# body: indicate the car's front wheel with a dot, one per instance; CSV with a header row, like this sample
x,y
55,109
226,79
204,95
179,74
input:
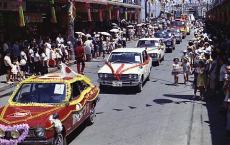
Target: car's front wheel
x,y
91,117
59,140
140,86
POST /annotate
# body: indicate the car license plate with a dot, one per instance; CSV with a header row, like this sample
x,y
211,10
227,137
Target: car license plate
x,y
117,84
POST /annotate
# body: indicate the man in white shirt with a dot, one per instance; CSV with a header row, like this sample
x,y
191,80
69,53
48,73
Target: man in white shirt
x,y
59,40
8,65
88,48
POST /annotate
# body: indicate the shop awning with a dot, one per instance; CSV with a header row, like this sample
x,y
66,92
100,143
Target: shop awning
x,y
124,5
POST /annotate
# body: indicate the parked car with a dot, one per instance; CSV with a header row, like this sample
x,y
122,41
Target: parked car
x,y
128,67
45,109
167,38
154,47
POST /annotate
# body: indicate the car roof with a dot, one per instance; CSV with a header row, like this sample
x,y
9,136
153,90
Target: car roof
x,y
157,39
54,77
138,50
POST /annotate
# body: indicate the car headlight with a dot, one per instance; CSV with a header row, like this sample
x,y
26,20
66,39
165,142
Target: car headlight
x,y
15,134
133,76
2,133
103,75
40,132
100,76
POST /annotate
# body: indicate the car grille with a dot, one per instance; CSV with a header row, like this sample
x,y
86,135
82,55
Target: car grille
x,y
123,77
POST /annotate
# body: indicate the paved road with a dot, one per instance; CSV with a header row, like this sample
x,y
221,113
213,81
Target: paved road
x,y
162,114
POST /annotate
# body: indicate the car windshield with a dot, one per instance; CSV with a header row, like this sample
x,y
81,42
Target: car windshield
x,y
158,35
49,93
125,57
178,23
147,43
167,35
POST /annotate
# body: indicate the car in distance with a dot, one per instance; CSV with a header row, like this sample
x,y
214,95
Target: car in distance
x,y
167,38
125,67
45,109
154,47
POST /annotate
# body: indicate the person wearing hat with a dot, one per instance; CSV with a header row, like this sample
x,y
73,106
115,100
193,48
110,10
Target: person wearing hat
x,y
176,70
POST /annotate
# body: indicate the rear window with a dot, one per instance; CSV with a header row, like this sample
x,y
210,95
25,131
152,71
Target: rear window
x,y
147,43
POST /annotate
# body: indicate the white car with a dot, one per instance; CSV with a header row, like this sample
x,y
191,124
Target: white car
x,y
126,67
154,47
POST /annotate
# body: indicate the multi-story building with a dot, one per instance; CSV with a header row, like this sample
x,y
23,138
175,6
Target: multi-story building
x,y
91,15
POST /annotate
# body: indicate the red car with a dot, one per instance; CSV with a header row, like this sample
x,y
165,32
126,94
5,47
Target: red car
x,y
44,110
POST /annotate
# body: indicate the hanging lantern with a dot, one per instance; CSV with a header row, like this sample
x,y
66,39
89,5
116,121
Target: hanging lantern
x,y
89,12
21,14
53,13
101,15
118,14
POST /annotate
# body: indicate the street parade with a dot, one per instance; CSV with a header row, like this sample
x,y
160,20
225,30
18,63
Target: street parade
x,y
115,72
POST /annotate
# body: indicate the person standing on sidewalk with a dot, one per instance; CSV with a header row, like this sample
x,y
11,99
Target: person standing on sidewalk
x,y
8,65
80,57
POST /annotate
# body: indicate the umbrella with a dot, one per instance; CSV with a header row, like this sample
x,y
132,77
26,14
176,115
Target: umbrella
x,y
80,33
114,24
130,26
114,30
105,33
88,35
139,25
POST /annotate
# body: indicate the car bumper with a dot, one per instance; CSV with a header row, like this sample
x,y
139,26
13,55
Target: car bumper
x,y
169,47
155,59
123,83
36,142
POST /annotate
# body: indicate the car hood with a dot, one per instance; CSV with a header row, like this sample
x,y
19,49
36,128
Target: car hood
x,y
121,67
32,115
152,51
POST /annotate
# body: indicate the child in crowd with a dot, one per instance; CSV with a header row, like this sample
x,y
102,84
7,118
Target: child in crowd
x,y
186,69
176,70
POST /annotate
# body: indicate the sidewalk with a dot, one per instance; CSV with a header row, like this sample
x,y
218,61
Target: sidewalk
x,y
5,86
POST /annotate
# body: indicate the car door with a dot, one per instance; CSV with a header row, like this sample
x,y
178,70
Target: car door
x,y
146,62
79,89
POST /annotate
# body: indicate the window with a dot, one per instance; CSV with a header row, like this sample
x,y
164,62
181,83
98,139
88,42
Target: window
x,y
77,87
41,93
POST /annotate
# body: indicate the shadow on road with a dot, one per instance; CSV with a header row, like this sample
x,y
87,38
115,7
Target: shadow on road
x,y
75,133
217,122
121,91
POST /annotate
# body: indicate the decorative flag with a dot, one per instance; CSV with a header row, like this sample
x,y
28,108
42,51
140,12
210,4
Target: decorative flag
x,y
53,13
72,11
21,14
67,71
110,13
126,15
